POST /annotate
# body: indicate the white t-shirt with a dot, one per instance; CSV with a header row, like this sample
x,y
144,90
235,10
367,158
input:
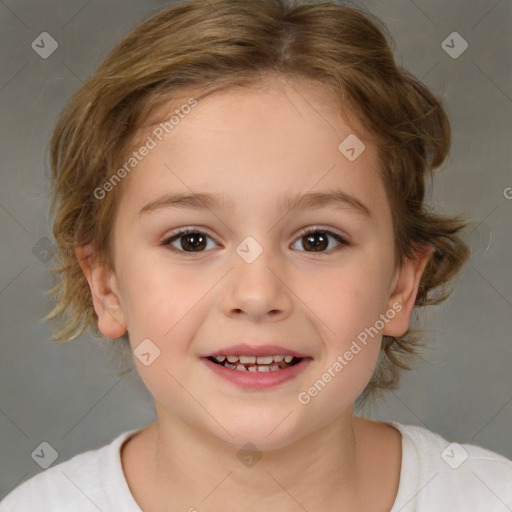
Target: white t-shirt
x,y
435,476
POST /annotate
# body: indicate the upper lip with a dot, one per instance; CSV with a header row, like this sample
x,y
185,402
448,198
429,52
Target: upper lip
x,y
255,350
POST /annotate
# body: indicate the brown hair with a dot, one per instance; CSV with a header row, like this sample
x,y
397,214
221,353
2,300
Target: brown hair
x,y
214,45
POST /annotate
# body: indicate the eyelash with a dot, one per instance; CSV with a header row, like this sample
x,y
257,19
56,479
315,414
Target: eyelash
x,y
306,231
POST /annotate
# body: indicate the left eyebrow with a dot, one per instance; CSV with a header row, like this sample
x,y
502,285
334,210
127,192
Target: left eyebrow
x,y
334,199
310,200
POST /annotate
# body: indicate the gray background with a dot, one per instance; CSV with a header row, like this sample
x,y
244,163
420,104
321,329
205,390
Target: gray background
x,y
70,396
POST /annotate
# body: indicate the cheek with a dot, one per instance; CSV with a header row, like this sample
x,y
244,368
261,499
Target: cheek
x,y
348,302
164,304
348,299
161,296
348,305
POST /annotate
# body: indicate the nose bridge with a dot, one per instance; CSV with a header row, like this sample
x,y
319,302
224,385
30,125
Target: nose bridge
x,y
256,288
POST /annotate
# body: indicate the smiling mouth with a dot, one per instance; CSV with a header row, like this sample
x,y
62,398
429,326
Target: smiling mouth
x,y
256,364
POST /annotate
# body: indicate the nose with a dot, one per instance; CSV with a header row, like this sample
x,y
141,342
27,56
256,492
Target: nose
x,y
258,290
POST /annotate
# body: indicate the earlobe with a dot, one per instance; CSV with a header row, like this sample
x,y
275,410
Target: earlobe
x,y
104,290
405,291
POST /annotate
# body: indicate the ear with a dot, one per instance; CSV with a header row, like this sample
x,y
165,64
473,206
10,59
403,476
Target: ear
x,y
404,290
105,294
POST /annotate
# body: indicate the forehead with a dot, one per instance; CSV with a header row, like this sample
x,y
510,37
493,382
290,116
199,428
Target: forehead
x,y
279,137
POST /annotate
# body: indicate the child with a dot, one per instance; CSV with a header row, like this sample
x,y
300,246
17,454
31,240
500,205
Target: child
x,y
239,195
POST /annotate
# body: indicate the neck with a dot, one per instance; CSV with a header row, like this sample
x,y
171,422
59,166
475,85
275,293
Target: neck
x,y
318,472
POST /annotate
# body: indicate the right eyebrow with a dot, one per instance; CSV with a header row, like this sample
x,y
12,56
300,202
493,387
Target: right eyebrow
x,y
199,201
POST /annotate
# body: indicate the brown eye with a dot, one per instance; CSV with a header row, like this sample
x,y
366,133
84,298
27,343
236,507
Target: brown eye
x,y
318,240
315,241
189,240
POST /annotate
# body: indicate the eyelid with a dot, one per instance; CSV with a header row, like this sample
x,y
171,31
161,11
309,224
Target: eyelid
x,y
185,231
324,229
341,238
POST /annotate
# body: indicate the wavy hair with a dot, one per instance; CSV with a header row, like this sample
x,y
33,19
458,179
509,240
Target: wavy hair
x,y
207,46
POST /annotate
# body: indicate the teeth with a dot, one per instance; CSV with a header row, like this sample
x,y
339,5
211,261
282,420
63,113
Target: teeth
x,y
254,363
256,369
249,359
264,359
254,359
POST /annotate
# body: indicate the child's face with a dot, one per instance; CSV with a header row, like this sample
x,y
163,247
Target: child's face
x,y
255,147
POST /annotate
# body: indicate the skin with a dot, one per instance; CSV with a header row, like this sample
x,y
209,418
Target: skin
x,y
254,145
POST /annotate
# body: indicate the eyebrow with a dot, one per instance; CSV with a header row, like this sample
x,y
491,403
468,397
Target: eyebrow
x,y
310,200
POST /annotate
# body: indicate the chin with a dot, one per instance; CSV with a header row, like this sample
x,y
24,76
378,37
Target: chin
x,y
265,434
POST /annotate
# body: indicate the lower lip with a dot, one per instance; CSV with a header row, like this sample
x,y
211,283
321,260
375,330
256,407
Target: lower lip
x,y
258,380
